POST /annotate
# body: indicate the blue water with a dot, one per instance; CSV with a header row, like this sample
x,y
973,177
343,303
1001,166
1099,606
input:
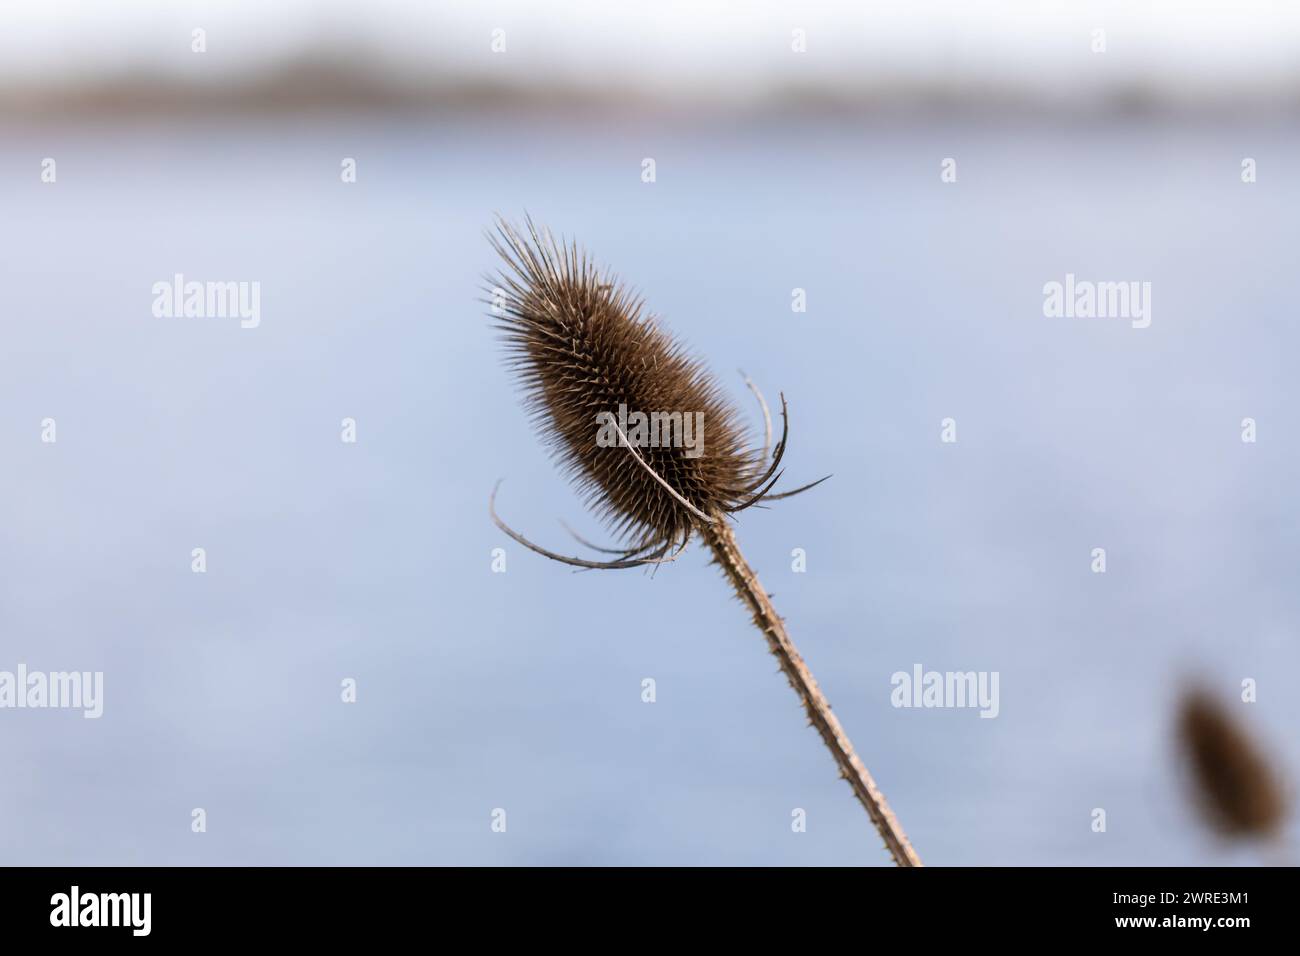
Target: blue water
x,y
522,690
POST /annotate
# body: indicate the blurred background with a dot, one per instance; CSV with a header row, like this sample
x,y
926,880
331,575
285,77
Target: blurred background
x,y
795,146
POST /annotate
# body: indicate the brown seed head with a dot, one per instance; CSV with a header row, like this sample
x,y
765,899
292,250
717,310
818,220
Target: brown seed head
x,y
581,345
1236,786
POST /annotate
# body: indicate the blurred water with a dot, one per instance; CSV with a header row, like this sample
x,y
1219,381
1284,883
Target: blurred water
x,y
522,690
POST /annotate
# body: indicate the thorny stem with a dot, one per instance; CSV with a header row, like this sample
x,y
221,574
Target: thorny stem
x,y
722,541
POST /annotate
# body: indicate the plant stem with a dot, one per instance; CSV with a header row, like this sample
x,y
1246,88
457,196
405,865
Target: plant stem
x,y
722,541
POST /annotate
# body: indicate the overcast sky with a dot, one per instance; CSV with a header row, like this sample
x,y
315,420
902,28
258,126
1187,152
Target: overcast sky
x,y
701,47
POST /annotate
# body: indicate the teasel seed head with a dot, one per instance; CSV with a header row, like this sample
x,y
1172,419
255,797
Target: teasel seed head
x,y
1233,781
581,344
584,349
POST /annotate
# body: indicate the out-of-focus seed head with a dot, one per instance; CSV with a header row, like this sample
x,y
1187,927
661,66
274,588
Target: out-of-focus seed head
x,y
1234,783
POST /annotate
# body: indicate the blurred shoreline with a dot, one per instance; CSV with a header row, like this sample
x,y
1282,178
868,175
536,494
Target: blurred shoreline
x,y
323,87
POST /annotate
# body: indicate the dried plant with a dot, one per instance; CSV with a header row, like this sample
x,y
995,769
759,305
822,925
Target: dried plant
x,y
582,344
1236,786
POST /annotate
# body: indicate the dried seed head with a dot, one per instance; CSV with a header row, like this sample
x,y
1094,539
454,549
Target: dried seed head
x,y
1235,784
581,345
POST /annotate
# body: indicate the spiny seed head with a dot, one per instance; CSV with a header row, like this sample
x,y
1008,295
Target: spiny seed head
x,y
1236,786
582,345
